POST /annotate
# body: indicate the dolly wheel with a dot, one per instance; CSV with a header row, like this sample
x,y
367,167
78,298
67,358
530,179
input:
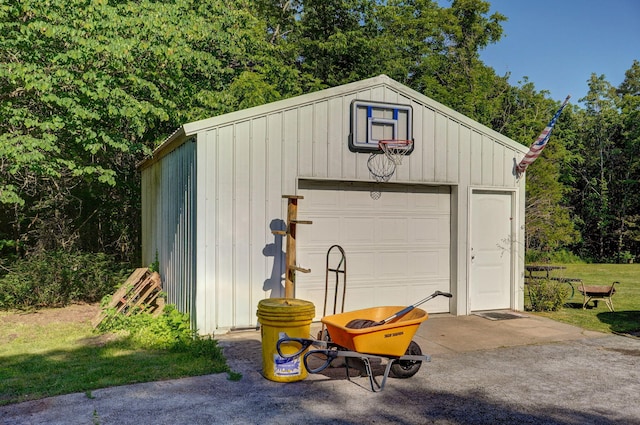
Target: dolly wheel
x,y
407,368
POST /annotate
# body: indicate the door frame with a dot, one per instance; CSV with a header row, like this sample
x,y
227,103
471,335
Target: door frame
x,y
513,245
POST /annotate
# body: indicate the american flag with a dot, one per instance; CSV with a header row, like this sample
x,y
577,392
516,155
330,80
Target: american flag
x,y
540,143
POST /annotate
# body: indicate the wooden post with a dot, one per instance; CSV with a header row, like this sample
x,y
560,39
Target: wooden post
x,y
291,268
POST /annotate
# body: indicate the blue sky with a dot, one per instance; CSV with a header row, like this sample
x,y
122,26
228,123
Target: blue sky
x,y
558,44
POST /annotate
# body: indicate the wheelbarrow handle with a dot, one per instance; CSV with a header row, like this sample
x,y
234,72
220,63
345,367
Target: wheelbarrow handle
x,y
411,307
331,356
304,344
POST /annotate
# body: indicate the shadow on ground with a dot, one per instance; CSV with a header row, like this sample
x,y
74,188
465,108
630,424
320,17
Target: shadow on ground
x,y
625,323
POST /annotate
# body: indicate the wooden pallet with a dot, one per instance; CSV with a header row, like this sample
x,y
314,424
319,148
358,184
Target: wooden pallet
x,y
141,290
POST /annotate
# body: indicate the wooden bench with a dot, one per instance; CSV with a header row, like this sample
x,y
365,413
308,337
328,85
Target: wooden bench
x,y
598,292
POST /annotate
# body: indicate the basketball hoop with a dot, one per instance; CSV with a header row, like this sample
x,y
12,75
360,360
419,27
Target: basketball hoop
x,y
395,150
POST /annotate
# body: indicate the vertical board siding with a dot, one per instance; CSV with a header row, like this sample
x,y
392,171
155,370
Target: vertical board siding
x,y
498,166
169,209
258,222
486,159
464,164
452,147
224,279
320,141
336,126
242,215
207,231
440,148
476,158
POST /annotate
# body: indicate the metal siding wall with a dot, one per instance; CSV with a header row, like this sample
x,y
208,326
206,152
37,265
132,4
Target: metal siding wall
x,y
305,143
335,130
225,288
242,222
440,153
290,157
260,232
320,142
452,148
498,166
168,206
464,166
476,158
349,162
267,273
207,218
486,161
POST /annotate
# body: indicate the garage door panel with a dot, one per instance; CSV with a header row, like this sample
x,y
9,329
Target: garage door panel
x,y
393,265
358,263
316,261
397,247
322,200
392,230
358,230
427,264
393,201
432,230
324,230
356,199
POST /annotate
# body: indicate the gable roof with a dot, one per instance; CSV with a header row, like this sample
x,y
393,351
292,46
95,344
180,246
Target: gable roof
x,y
189,129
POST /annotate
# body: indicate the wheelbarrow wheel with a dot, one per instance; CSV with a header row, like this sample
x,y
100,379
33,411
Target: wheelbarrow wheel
x,y
407,368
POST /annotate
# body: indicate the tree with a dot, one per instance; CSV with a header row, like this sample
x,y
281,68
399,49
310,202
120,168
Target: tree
x,y
89,86
453,72
595,197
629,178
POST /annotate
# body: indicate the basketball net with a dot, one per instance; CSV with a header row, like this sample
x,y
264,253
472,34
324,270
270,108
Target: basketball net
x,y
383,165
380,167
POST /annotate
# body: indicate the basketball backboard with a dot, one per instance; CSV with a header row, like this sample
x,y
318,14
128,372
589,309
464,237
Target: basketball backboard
x,y
375,121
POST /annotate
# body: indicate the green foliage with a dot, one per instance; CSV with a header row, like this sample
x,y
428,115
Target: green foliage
x,y
89,87
561,256
169,331
548,295
564,256
57,278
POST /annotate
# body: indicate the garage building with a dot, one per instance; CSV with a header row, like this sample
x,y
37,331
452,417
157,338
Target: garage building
x,y
450,217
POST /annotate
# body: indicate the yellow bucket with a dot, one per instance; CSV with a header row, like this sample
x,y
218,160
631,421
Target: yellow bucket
x,y
280,316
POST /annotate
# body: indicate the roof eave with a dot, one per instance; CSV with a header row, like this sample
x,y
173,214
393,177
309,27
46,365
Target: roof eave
x,y
169,144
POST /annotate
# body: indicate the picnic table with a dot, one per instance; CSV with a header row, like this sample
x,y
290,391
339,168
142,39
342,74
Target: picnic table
x,y
543,271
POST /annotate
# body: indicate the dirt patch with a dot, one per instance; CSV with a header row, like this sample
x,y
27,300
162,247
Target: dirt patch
x,y
75,313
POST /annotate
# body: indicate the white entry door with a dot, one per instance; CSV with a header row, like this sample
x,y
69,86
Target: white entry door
x,y
490,275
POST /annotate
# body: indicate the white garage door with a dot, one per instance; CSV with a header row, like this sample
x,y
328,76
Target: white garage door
x,y
397,246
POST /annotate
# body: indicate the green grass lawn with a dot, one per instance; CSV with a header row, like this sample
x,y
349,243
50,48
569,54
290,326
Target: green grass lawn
x,y
39,360
626,301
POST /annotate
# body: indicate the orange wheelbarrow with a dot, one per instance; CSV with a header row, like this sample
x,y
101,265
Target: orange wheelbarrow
x,y
384,333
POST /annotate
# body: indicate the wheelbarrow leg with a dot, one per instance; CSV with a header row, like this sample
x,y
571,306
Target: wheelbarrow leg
x,y
368,370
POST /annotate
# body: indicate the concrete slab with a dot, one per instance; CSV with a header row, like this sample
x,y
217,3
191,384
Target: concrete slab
x,y
444,333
